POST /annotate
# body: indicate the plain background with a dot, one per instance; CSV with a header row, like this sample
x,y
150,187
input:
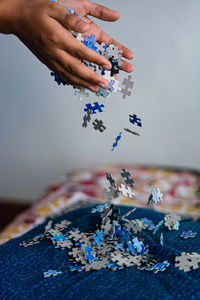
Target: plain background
x,y
40,123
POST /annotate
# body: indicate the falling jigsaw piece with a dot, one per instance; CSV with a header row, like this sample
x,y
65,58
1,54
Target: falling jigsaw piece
x,y
126,191
98,125
135,120
128,84
111,179
115,144
93,108
126,176
81,93
86,118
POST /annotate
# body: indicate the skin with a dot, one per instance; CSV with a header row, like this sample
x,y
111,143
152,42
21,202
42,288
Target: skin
x,y
41,26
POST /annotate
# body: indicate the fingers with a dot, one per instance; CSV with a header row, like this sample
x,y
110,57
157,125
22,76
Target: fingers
x,y
101,12
80,51
68,20
75,81
126,66
65,41
86,76
71,79
72,45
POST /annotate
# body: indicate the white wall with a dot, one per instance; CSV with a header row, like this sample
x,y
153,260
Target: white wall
x,y
40,123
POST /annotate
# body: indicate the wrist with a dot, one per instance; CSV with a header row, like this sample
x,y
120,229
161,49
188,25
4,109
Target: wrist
x,y
7,16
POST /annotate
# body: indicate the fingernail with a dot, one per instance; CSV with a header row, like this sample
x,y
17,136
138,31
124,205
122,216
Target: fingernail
x,y
107,67
92,88
103,85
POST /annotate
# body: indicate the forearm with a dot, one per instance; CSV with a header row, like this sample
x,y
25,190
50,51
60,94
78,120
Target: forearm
x,y
6,16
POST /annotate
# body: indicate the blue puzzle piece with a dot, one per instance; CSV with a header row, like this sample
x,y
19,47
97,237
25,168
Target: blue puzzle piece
x,y
98,237
90,42
117,230
102,92
58,79
131,248
158,226
135,120
155,195
119,246
75,268
50,273
110,87
138,245
100,208
115,144
148,222
89,254
124,236
59,237
188,234
93,108
113,265
145,249
158,267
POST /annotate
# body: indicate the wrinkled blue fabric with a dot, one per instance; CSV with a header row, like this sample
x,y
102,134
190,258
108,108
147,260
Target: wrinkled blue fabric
x,y
21,269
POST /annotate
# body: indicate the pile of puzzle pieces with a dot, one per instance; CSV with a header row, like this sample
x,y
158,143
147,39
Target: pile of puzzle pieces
x,y
116,242
114,55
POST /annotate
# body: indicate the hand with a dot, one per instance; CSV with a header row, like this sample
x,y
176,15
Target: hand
x,y
41,26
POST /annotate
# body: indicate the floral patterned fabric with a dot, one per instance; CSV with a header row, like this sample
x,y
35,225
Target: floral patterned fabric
x,y
181,189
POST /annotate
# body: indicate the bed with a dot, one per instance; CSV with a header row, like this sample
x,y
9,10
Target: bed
x,y
72,197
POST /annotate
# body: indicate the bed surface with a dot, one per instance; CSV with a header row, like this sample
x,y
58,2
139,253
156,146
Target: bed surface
x,y
181,189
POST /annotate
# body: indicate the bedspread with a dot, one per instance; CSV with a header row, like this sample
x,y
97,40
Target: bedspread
x,y
181,189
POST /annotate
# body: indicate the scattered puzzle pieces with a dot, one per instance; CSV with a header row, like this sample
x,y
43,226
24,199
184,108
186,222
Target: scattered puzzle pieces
x,y
114,55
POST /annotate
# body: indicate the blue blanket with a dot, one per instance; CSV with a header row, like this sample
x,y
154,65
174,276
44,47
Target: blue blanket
x,y
21,269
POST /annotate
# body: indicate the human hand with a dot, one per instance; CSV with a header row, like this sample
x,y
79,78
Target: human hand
x,y
41,26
